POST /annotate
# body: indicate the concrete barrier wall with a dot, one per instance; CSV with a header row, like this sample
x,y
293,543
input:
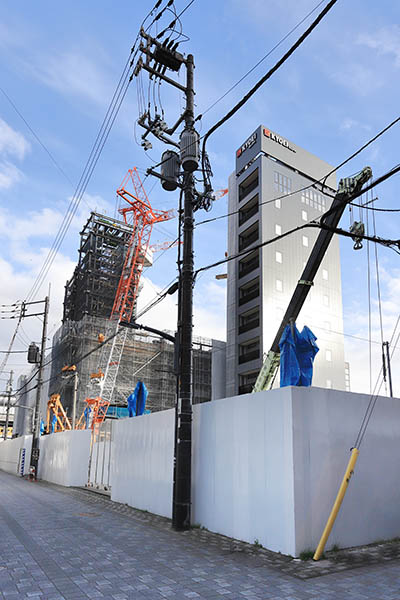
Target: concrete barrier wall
x,y
142,462
64,457
10,452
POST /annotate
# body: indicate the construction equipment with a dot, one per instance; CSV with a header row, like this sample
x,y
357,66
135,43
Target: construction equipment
x,y
55,408
97,408
348,188
139,214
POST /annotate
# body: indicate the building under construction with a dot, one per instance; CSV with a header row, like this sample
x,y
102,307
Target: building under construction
x,y
88,303
92,288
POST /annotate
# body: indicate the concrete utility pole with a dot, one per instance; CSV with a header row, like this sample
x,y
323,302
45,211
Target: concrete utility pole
x,y
36,419
183,453
9,393
177,171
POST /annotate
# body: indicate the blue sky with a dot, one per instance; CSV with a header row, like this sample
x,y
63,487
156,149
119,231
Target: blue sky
x,y
60,64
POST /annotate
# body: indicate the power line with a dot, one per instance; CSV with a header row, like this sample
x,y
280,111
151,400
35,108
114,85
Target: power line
x,y
319,181
102,136
321,225
263,79
261,60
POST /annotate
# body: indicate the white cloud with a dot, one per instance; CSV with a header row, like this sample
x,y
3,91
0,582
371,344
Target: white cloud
x,y
349,123
384,41
9,174
72,73
12,143
208,313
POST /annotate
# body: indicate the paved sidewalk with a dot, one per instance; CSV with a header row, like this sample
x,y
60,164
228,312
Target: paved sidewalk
x,y
59,543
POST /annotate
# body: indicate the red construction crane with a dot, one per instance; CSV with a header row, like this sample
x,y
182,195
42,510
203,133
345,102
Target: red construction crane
x,y
141,217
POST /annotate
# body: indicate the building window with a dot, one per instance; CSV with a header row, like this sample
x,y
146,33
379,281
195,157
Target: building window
x,y
278,203
249,291
278,257
325,299
248,237
248,185
249,320
248,210
325,274
247,381
282,184
249,263
278,230
328,355
329,384
249,350
279,285
304,215
313,198
305,241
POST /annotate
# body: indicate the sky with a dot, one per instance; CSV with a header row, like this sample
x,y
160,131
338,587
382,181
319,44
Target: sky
x,y
60,64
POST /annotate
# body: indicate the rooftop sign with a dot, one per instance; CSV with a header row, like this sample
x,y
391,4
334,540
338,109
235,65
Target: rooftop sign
x,y
278,139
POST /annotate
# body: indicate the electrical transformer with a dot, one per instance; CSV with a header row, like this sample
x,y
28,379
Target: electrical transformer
x,y
169,170
190,150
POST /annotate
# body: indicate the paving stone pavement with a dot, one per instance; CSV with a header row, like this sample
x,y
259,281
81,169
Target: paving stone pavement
x,y
60,543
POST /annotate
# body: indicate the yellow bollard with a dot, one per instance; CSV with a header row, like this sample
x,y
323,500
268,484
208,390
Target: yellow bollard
x,y
337,504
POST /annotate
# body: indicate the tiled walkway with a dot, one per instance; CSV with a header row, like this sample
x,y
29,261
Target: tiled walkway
x,y
57,543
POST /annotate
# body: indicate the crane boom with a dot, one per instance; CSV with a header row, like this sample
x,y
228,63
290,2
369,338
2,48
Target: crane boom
x,y
347,190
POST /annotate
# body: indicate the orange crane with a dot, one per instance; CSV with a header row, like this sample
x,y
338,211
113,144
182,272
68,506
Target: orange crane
x,y
139,214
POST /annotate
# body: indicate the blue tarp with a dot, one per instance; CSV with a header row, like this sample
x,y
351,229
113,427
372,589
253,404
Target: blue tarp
x,y
41,427
297,356
53,423
86,414
137,400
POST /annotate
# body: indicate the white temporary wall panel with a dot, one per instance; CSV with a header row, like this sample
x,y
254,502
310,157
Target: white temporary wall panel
x,y
326,423
243,468
142,462
64,457
10,454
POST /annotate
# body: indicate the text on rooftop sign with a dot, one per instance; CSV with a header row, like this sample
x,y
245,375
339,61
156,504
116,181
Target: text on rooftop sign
x,y
277,138
248,144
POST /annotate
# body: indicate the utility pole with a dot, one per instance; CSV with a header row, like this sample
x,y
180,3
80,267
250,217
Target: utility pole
x,y
183,471
177,170
9,393
36,419
74,399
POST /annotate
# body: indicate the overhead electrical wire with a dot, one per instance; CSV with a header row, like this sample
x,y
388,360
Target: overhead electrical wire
x,y
102,136
260,61
319,181
318,224
263,79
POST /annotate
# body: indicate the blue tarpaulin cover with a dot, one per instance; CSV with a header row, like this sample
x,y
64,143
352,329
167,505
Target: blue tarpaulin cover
x,y
297,356
137,400
53,423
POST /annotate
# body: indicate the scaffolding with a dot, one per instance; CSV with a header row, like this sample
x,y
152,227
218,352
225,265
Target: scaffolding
x,y
145,358
92,288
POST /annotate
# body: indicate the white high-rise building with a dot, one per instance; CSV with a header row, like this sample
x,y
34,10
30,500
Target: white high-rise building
x,y
261,283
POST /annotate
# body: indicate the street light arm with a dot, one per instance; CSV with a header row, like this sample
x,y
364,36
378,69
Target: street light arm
x,y
162,334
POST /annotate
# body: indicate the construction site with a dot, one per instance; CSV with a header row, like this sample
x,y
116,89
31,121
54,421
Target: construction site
x,y
92,356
